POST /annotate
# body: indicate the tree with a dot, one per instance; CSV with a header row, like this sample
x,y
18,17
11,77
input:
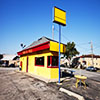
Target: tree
x,y
1,56
70,51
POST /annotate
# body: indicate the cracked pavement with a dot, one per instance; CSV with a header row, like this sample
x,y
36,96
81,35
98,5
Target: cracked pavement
x,y
19,86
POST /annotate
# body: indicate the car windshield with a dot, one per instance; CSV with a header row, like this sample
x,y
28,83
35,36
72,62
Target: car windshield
x,y
91,67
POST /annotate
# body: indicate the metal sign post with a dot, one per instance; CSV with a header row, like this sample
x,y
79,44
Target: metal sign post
x,y
59,18
59,48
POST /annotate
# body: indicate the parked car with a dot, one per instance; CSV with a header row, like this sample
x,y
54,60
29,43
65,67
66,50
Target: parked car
x,y
91,68
97,68
62,65
12,65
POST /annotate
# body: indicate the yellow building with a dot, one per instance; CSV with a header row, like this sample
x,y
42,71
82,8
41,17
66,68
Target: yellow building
x,y
89,62
41,58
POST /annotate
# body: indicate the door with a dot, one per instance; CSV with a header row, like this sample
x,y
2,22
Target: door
x,y
27,65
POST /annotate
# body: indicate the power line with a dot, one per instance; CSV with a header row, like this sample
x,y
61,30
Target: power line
x,y
63,35
97,47
80,45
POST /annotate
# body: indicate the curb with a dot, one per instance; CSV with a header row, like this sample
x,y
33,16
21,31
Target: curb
x,y
72,94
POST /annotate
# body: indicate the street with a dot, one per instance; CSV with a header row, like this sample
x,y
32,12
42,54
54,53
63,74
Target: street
x,y
91,75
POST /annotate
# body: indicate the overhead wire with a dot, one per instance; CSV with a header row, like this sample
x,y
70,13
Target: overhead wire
x,y
79,45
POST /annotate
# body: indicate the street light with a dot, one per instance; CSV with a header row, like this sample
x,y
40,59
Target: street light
x,y
22,45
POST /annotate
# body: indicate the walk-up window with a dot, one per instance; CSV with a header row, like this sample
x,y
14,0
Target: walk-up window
x,y
52,61
39,61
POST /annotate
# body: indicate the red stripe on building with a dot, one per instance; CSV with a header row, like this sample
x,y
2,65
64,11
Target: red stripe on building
x,y
39,47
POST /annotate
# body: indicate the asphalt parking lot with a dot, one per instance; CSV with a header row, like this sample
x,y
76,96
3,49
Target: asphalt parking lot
x,y
16,85
19,86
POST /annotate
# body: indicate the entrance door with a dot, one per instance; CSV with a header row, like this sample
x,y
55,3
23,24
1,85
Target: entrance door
x,y
27,65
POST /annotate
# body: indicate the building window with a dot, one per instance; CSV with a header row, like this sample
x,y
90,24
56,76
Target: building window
x,y
83,59
52,61
39,61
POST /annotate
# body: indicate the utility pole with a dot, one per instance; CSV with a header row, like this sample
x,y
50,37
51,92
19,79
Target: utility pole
x,y
53,32
92,53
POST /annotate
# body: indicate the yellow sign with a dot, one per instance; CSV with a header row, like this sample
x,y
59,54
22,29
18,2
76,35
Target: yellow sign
x,y
59,16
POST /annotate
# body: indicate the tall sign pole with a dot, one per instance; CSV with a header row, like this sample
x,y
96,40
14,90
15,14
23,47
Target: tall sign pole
x,y
59,49
59,18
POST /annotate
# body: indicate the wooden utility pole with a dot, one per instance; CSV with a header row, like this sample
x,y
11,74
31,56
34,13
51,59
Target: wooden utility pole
x,y
92,53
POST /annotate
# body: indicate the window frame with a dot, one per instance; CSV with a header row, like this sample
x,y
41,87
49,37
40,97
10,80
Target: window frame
x,y
51,62
40,65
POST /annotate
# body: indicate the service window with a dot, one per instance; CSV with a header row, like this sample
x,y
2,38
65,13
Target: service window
x,y
39,61
52,61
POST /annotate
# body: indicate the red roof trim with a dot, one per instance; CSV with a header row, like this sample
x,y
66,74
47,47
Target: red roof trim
x,y
39,47
89,56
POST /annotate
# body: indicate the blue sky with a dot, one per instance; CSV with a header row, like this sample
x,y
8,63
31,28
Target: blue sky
x,y
24,21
